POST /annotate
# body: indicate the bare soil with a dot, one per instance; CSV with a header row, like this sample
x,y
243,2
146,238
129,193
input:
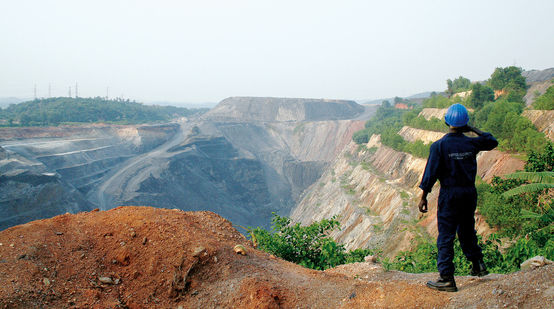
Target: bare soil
x,y
143,257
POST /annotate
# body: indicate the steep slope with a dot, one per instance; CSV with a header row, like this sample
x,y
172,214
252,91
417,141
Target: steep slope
x,y
374,191
28,191
48,171
543,121
142,257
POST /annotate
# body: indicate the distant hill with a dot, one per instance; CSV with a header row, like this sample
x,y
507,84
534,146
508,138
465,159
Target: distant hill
x,y
416,97
55,111
284,109
6,101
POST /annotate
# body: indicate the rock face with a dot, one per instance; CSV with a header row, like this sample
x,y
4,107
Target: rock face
x,y
247,109
543,121
413,134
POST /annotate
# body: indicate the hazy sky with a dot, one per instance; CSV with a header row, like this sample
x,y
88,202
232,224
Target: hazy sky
x,y
205,51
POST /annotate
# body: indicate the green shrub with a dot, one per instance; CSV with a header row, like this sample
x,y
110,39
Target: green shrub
x,y
361,137
541,161
433,124
309,246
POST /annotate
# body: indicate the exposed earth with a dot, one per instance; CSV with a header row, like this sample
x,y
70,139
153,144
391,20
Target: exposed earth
x,y
143,257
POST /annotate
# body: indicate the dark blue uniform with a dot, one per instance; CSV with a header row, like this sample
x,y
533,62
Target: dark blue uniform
x,y
452,161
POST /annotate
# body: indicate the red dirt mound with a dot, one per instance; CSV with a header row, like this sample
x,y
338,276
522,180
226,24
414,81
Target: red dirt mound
x,y
142,257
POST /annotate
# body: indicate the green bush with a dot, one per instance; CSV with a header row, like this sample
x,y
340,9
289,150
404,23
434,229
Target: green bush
x,y
361,137
309,246
423,258
514,132
433,124
538,161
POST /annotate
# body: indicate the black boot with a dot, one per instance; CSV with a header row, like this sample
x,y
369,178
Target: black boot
x,y
444,283
479,269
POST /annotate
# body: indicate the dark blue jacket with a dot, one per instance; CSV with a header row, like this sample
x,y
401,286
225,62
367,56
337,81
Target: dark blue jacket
x,y
452,160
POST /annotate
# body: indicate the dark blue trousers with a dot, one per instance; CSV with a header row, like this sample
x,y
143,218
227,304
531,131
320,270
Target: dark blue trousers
x,y
456,210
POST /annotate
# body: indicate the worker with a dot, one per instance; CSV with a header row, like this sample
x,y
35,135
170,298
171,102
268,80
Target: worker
x,y
452,160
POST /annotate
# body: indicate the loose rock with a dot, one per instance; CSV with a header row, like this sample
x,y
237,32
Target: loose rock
x,y
106,280
197,251
535,262
239,249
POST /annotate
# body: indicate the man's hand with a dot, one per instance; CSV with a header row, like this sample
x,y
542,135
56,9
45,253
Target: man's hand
x,y
423,205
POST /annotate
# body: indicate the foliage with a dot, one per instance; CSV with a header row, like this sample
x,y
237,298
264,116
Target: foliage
x,y
536,182
545,101
503,120
437,101
479,95
424,258
360,137
457,85
55,111
392,139
507,78
510,79
309,246
386,118
433,124
541,161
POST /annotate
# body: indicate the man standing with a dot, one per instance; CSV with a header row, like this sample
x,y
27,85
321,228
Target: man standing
x,y
452,161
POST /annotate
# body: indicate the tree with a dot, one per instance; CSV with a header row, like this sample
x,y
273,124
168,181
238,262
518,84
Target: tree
x,y
457,85
480,94
510,80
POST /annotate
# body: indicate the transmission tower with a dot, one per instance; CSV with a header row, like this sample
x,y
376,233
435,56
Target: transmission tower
x,y
49,90
69,92
35,91
76,90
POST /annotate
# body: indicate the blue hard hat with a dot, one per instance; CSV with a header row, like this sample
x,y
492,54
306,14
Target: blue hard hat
x,y
456,115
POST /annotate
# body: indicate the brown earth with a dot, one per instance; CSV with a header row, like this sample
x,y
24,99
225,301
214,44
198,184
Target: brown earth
x,y
143,257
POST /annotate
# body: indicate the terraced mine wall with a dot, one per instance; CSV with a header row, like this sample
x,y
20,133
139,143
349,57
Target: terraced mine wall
x,y
242,166
49,171
374,192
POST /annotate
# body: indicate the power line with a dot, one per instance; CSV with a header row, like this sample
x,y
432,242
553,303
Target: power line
x,y
35,91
